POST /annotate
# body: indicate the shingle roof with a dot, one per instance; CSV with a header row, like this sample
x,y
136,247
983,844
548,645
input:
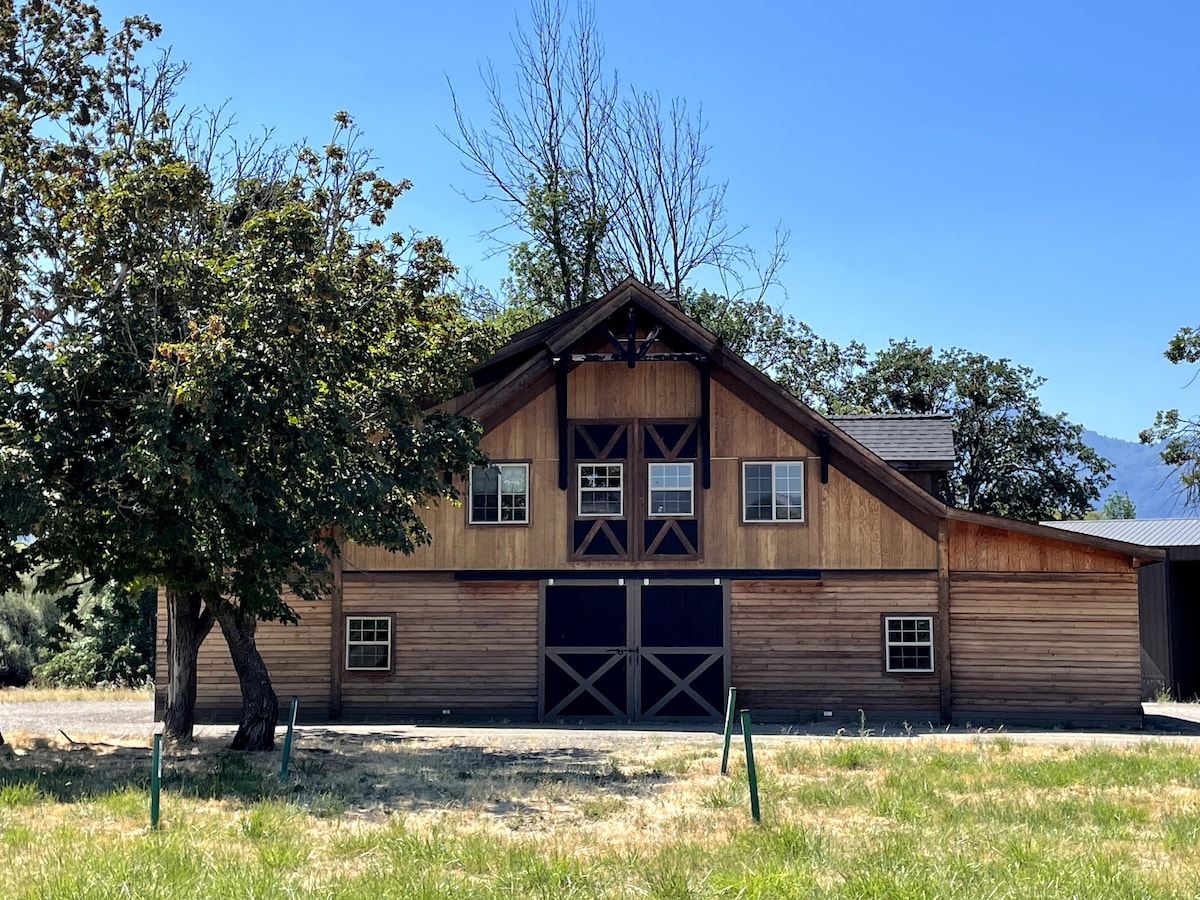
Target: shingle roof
x,y
902,438
1147,532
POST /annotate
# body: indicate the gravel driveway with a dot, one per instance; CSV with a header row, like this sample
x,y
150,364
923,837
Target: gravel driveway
x,y
134,719
116,718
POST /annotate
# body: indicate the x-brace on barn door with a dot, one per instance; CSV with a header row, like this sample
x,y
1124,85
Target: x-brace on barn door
x,y
633,649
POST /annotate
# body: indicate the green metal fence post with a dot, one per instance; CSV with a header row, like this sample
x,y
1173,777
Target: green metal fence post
x,y
729,713
287,741
751,774
155,779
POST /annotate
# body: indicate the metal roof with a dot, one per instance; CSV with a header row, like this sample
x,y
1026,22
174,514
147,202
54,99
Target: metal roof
x,y
1147,532
902,438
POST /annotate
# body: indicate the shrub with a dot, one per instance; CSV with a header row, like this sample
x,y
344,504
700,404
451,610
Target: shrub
x,y
106,639
26,620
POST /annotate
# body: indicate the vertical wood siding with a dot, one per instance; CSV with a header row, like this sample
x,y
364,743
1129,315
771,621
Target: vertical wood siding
x,y
810,646
846,527
659,390
979,548
1045,644
470,647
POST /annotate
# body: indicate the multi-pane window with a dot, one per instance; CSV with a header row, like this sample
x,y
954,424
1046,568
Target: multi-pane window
x,y
671,489
773,491
908,643
500,493
368,643
600,489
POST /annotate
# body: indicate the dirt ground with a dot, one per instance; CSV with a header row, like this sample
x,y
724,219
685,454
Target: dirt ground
x,y
132,723
520,776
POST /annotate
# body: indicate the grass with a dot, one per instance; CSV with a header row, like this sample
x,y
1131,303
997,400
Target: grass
x,y
38,695
843,818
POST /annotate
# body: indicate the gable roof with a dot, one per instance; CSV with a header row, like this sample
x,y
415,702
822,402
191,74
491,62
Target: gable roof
x,y
904,438
525,366
1150,532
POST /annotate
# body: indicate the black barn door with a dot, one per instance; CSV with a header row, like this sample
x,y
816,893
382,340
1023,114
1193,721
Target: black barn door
x,y
682,647
586,657
636,650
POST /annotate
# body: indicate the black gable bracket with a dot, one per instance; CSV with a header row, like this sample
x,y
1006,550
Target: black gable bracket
x,y
823,450
560,407
631,335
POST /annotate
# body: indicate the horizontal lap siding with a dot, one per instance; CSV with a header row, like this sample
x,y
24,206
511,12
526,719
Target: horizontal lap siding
x,y
1065,642
804,645
297,658
469,647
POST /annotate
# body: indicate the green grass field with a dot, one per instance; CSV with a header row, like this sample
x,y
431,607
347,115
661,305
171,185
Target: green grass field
x,y
365,818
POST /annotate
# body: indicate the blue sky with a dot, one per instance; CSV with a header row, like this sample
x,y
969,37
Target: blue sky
x,y
1020,179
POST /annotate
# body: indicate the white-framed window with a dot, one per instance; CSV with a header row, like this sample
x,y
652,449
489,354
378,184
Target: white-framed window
x,y
672,491
773,491
908,643
601,489
500,493
368,643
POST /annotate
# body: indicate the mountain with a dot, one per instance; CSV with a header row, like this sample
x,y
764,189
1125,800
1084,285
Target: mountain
x,y
1139,472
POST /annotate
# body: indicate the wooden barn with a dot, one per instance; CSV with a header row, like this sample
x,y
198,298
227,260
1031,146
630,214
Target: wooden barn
x,y
661,521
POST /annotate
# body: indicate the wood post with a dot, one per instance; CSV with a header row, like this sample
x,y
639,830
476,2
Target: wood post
x,y
941,633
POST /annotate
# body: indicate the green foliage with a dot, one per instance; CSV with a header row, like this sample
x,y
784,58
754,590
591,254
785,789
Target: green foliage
x,y
219,365
1117,506
105,640
1181,434
1013,459
789,351
27,620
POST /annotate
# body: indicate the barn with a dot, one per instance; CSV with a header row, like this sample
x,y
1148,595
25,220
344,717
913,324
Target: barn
x,y
661,521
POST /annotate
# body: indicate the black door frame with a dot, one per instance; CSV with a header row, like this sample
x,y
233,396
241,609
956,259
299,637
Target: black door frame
x,y
632,653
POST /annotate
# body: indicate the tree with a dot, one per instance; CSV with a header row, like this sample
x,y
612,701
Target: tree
x,y
812,368
602,182
1012,458
1181,434
255,388
58,70
235,370
1118,506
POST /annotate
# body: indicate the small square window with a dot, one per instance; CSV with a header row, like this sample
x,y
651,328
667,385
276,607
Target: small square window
x,y
773,492
368,644
671,489
500,494
908,643
601,491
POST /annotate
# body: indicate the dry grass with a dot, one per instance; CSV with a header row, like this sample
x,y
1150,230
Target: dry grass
x,y
40,695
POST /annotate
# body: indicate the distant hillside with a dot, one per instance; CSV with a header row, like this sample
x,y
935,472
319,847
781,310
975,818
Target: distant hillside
x,y
1138,472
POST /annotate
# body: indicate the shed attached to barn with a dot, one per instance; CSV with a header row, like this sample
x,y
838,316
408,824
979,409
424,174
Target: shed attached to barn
x,y
1168,598
661,521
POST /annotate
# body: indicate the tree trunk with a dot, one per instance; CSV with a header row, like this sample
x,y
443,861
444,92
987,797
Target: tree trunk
x,y
260,706
188,624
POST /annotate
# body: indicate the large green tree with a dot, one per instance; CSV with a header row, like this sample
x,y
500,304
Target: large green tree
x,y
1013,459
226,370
253,388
